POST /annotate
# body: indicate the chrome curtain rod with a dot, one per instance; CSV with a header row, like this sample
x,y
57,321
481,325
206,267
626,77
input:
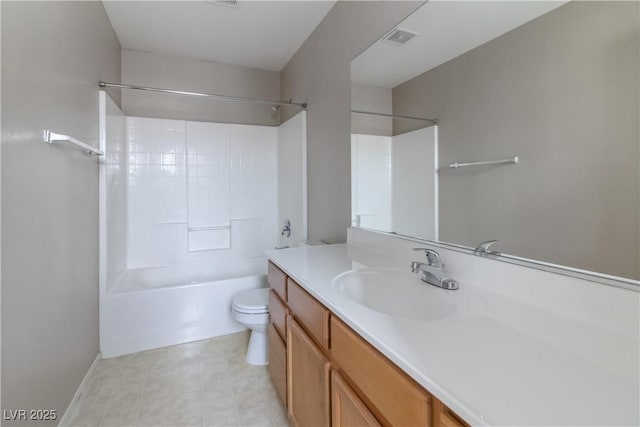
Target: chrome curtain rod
x,y
302,105
396,116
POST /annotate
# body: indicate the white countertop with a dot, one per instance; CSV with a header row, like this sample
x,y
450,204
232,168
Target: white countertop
x,y
495,360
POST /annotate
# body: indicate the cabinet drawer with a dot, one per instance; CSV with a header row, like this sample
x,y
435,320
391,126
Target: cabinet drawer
x,y
278,312
347,410
278,280
312,315
393,397
278,363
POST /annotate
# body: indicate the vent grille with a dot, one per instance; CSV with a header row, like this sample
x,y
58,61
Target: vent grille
x,y
227,3
399,36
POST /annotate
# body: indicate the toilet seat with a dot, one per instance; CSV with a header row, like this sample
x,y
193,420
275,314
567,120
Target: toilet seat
x,y
255,301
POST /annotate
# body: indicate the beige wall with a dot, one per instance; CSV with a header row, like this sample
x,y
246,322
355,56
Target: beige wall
x,y
53,54
562,93
174,72
375,100
319,73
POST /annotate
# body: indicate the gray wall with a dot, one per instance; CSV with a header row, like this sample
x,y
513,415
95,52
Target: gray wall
x,y
375,100
53,54
562,93
174,72
319,73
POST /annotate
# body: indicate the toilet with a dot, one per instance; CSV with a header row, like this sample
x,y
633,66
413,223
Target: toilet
x,y
251,308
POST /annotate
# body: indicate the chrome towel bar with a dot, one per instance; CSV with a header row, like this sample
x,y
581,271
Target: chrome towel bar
x,y
50,137
511,160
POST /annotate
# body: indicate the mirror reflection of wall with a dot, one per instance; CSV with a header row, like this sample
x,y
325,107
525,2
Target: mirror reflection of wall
x,y
394,182
555,83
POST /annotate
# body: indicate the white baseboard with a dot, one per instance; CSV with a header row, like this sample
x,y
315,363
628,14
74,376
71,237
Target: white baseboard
x,y
65,417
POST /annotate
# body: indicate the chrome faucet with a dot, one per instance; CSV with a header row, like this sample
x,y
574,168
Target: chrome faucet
x,y
432,272
483,248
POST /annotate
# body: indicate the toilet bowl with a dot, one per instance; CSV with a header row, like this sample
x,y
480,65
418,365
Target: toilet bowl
x,y
251,308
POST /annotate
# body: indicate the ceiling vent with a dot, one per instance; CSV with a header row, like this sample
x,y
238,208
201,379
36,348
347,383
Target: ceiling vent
x,y
399,36
227,3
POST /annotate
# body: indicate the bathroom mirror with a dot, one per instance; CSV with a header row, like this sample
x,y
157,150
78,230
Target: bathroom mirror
x,y
508,121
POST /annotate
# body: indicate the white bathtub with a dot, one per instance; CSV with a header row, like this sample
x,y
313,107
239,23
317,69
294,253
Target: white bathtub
x,y
135,316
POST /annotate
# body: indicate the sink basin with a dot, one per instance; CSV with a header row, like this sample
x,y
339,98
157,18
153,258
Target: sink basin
x,y
395,292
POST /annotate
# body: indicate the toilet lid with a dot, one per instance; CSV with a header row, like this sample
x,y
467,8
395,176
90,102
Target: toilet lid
x,y
255,301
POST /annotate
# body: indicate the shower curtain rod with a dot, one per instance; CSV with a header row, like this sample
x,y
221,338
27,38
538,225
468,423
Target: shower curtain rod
x,y
396,116
302,105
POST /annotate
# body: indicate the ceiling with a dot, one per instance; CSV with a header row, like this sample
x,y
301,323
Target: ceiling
x,y
447,29
258,34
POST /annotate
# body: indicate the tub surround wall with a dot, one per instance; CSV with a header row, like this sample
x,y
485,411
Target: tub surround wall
x,y
202,197
414,178
403,199
53,54
185,181
319,73
201,208
371,192
292,179
175,72
113,191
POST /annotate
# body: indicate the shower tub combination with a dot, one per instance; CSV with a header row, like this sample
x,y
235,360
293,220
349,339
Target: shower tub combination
x,y
186,212
147,316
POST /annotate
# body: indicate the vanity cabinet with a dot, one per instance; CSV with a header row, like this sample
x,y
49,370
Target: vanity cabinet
x,y
278,362
347,410
334,377
308,396
277,330
445,417
394,397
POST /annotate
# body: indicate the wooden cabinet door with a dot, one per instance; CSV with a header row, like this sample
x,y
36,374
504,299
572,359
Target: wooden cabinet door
x,y
307,380
445,417
347,410
278,363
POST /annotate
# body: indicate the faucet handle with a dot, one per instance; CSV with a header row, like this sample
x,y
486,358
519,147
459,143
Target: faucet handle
x,y
432,256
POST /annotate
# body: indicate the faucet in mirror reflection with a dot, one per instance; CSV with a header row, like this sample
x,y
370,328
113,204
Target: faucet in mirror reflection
x,y
483,248
286,228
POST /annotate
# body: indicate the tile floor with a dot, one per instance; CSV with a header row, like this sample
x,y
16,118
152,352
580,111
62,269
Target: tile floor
x,y
204,383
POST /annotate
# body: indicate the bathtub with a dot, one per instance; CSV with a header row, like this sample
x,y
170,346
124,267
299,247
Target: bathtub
x,y
153,307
